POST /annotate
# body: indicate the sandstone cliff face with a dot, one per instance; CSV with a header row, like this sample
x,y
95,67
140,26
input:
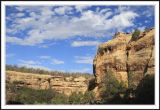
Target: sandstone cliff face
x,y
128,60
66,85
140,57
112,56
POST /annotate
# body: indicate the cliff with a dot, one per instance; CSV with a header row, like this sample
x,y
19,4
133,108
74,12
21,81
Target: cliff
x,y
128,59
66,85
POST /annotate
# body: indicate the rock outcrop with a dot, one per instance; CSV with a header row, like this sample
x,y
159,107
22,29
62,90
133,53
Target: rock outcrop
x,y
66,85
129,60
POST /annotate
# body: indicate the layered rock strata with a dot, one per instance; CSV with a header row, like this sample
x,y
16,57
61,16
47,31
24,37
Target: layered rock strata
x,y
129,60
61,84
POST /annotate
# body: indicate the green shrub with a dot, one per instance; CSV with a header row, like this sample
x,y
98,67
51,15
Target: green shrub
x,y
135,34
143,94
25,95
88,98
79,98
75,98
31,96
59,99
110,87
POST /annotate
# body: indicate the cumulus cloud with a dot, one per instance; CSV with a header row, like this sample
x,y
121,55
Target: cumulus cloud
x,y
81,8
43,23
15,40
63,10
105,10
122,20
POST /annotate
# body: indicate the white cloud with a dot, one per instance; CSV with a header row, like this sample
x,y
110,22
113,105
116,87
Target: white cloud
x,y
56,61
47,11
82,70
84,43
97,9
42,27
108,14
81,8
32,64
146,21
142,28
20,14
122,20
45,57
15,40
46,45
148,12
29,62
52,60
84,59
35,66
63,10
123,9
103,11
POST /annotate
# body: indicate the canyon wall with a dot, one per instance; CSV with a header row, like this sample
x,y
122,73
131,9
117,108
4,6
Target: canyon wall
x,y
61,84
129,60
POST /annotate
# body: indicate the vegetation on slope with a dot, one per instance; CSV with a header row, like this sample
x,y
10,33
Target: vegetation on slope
x,y
111,86
135,34
24,95
41,71
114,92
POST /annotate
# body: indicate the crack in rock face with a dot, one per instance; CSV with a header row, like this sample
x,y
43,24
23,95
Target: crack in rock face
x,y
128,59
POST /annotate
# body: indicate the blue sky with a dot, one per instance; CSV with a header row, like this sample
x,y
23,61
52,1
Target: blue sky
x,y
66,38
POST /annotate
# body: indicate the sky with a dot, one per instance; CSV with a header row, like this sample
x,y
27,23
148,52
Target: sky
x,y
66,38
